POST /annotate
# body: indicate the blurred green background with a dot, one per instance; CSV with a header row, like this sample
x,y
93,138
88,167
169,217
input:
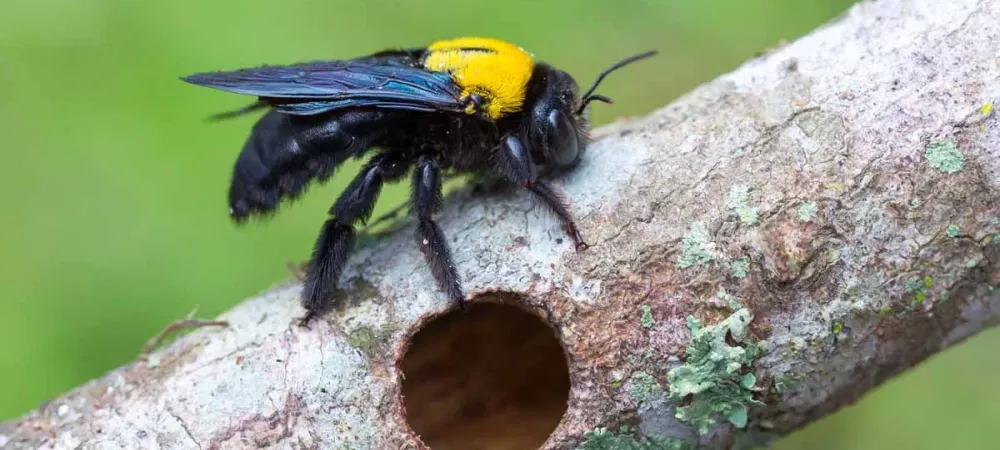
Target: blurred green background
x,y
114,187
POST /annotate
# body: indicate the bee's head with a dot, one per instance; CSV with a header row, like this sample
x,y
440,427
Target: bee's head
x,y
558,122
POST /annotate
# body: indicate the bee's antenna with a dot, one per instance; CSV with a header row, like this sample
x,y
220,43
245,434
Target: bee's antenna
x,y
589,96
238,112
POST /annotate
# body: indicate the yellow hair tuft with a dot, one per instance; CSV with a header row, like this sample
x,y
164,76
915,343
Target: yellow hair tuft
x,y
497,71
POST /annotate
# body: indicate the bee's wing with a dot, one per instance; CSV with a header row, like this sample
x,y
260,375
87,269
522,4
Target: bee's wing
x,y
321,86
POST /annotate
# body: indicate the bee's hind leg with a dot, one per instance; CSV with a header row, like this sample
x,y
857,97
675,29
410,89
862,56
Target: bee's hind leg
x,y
337,237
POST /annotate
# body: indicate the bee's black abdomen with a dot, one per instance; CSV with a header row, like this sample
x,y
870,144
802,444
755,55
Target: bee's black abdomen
x,y
263,150
285,153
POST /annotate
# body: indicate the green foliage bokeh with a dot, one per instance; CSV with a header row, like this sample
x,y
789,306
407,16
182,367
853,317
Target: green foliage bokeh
x,y
113,185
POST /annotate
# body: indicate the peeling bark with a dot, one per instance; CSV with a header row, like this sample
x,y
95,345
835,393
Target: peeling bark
x,y
833,205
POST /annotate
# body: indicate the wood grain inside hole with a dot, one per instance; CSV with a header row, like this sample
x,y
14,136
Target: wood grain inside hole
x,y
491,377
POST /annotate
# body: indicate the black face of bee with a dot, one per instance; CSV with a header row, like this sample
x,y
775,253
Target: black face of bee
x,y
557,132
410,106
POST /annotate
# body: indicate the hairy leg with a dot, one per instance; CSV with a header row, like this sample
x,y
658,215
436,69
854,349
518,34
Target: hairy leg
x,y
426,199
514,163
337,236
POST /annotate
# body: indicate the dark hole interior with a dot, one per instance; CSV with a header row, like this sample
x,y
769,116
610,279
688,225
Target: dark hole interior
x,y
492,377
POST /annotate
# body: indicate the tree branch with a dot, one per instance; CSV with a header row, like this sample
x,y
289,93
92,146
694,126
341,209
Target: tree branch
x,y
765,250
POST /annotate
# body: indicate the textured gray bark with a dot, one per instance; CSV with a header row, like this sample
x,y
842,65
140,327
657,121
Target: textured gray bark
x,y
834,201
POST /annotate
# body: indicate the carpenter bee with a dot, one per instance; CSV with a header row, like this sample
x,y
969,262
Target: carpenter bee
x,y
468,105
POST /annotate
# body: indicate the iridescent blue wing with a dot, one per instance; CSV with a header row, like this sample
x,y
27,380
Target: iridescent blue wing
x,y
322,86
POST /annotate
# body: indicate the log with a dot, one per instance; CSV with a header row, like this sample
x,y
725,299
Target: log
x,y
764,250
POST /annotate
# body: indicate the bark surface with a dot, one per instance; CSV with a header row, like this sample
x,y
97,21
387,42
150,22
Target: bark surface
x,y
764,250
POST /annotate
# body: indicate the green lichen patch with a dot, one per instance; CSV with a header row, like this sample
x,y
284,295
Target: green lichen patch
x,y
357,292
945,156
738,200
986,109
368,340
647,317
832,256
740,267
642,385
712,374
784,383
919,288
361,338
725,296
915,203
695,243
952,230
625,439
807,211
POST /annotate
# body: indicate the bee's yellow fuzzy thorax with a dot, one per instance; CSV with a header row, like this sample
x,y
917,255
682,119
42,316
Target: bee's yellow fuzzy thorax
x,y
496,70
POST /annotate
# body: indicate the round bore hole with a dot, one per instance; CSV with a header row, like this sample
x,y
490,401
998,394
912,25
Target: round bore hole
x,y
491,377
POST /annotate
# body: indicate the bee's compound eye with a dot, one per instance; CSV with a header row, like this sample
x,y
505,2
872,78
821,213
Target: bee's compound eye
x,y
562,139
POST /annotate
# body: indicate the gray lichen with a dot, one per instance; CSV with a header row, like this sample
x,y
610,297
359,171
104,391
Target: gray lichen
x,y
738,200
919,288
695,243
740,267
625,439
647,317
729,300
642,385
713,375
807,211
945,156
783,382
